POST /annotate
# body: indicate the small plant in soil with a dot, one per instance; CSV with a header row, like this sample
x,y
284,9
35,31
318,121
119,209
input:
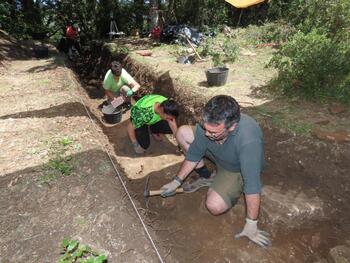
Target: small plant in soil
x,y
61,160
73,252
65,141
221,51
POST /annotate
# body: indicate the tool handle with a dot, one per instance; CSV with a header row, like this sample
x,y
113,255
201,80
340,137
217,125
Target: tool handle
x,y
194,49
158,192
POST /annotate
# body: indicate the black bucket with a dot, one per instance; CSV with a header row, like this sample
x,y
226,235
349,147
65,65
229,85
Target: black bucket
x,y
41,51
112,115
39,35
216,76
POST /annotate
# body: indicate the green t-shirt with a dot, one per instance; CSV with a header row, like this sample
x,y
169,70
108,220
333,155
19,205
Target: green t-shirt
x,y
109,83
142,113
243,152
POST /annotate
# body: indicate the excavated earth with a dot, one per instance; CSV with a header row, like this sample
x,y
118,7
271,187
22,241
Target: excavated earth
x,y
305,205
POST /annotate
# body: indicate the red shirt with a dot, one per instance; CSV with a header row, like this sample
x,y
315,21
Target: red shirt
x,y
71,33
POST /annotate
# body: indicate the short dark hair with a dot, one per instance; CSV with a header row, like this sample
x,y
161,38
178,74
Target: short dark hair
x,y
170,107
116,68
222,109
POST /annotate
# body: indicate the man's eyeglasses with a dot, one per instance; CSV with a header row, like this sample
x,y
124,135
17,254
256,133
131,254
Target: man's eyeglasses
x,y
215,135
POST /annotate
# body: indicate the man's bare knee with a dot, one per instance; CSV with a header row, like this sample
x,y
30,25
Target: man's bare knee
x,y
184,136
215,204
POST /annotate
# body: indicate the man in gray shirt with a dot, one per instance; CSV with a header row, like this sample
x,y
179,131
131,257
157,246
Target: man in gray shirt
x,y
234,142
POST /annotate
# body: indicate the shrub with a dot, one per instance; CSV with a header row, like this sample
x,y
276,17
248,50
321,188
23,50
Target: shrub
x,y
279,31
221,52
332,15
314,66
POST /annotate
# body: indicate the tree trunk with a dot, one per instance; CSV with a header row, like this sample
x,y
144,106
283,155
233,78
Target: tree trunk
x,y
139,13
170,14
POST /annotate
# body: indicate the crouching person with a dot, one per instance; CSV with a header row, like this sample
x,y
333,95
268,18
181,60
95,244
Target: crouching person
x,y
234,142
118,82
152,113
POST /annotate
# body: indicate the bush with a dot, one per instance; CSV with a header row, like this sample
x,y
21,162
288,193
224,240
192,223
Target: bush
x,y
221,52
314,66
332,15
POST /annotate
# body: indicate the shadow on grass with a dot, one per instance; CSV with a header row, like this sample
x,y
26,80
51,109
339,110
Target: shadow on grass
x,y
36,215
70,109
56,60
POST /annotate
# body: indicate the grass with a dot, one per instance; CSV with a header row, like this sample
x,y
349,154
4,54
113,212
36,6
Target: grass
x,y
61,162
80,221
44,81
281,120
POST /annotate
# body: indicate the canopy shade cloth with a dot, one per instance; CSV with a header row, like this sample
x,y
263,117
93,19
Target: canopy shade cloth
x,y
243,3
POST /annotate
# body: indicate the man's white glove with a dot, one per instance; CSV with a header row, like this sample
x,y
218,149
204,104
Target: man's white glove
x,y
170,188
251,231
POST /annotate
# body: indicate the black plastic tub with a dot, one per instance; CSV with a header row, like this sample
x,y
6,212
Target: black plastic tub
x,y
41,51
112,115
39,35
216,76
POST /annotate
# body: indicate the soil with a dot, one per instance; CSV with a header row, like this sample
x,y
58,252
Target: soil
x,y
305,204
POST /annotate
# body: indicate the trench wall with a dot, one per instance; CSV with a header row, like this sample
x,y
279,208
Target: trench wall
x,y
98,56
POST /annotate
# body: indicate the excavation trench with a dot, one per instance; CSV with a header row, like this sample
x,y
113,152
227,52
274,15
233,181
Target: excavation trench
x,y
303,207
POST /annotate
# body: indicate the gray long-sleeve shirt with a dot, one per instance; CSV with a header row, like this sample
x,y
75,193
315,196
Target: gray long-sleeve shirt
x,y
243,152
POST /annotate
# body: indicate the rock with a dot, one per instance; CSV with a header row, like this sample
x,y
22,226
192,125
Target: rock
x,y
339,136
290,207
340,254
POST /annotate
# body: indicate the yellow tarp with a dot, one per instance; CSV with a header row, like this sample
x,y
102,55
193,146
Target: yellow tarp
x,y
243,3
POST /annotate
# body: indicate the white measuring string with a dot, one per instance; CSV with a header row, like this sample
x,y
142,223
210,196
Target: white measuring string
x,y
117,173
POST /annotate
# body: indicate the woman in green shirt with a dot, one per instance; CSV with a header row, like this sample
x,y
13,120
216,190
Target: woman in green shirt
x,y
155,113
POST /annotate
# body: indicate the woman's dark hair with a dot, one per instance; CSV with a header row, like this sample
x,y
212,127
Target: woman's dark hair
x,y
116,68
222,109
170,108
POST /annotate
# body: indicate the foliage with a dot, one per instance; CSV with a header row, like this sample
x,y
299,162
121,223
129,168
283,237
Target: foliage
x,y
115,49
221,50
316,30
276,32
314,66
12,21
73,252
61,161
331,16
199,13
315,63
230,50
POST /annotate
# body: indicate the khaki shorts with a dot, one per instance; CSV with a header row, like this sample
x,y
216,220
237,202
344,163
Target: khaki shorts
x,y
229,185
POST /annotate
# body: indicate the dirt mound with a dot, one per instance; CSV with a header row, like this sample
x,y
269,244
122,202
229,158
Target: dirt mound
x,y
11,48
